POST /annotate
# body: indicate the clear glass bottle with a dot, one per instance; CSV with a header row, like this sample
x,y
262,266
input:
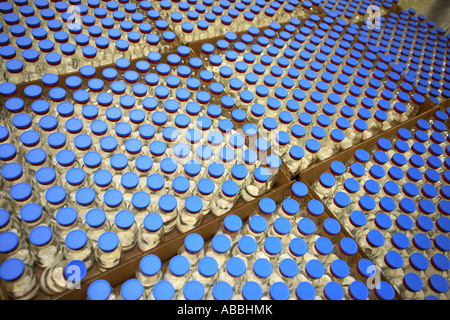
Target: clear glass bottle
x,y
151,232
33,215
192,214
257,184
108,252
13,246
156,186
193,248
271,250
219,248
233,271
45,246
149,271
325,186
168,211
206,191
227,198
19,280
206,272
64,275
9,223
255,226
177,271
126,229
231,227
79,247
95,224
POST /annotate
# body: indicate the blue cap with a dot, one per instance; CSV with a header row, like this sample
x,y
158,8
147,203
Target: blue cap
x,y
99,290
306,226
413,282
418,261
192,168
129,180
440,262
12,269
41,235
208,266
9,241
85,196
358,218
76,239
443,224
193,290
288,268
113,198
102,178
375,238
194,243
232,223
66,216
205,186
124,219
221,243
153,222
314,269
438,283
150,265
333,291
273,245
331,226
108,241
279,291
262,268
222,291
323,246
348,246
235,266
425,224
132,289
441,242
385,291
305,291
358,290
167,203
393,259
247,244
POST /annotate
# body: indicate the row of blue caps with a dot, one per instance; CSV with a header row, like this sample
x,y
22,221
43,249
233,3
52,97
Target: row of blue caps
x,y
113,197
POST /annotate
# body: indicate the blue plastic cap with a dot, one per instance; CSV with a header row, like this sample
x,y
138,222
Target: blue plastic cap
x,y
348,246
76,239
12,269
132,289
315,269
108,241
99,290
222,291
150,265
385,291
305,291
358,290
